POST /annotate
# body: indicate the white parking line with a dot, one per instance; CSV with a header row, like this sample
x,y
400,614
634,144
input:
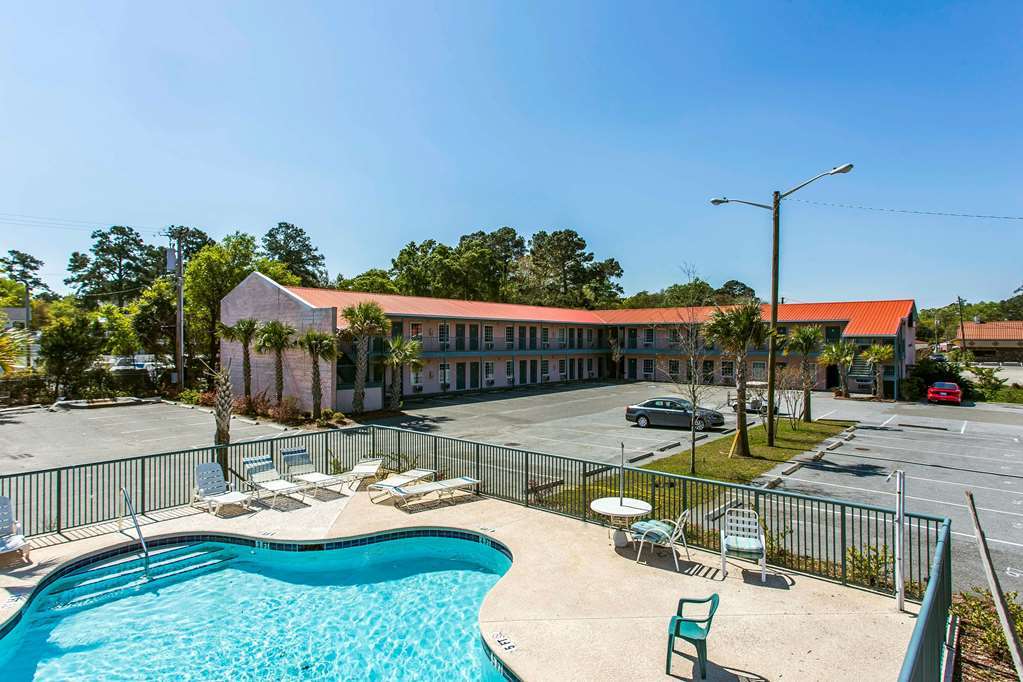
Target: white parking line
x,y
828,414
889,420
908,497
860,434
963,430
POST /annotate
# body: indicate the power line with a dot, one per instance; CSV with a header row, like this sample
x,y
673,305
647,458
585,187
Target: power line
x,y
24,220
906,210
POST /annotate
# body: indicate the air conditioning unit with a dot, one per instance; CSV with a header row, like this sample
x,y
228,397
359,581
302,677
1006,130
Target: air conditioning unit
x,y
417,388
490,382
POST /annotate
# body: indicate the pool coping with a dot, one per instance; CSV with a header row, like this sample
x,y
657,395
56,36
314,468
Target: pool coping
x,y
162,540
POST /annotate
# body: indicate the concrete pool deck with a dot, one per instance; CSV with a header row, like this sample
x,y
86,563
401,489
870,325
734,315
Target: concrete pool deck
x,y
574,607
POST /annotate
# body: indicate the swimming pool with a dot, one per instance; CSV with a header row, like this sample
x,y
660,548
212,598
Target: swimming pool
x,y
401,609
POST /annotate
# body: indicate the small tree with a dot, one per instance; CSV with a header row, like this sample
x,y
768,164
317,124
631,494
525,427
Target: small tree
x,y
243,331
365,320
840,354
737,330
804,342
615,342
222,406
69,347
791,386
319,346
877,355
276,337
401,352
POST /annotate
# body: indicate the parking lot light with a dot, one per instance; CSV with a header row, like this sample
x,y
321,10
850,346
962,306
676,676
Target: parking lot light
x,y
772,344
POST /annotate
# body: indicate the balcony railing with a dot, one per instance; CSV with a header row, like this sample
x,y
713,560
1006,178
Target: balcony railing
x,y
437,344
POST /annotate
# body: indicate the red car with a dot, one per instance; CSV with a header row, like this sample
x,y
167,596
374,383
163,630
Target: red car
x,y
944,392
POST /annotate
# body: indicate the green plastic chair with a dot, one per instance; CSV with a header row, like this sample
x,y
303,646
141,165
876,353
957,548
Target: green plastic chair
x,y
692,630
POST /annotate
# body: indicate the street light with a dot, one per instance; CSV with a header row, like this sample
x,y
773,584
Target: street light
x,y
772,347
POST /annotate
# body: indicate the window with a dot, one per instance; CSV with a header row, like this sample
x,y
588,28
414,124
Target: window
x,y
783,331
442,335
488,370
417,376
648,337
561,337
488,337
571,338
708,371
444,373
832,334
589,337
589,365
648,368
759,370
509,371
544,369
673,368
545,337
509,338
673,335
415,330
727,372
561,367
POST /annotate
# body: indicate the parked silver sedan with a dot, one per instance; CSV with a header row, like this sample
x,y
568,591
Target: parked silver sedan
x,y
672,412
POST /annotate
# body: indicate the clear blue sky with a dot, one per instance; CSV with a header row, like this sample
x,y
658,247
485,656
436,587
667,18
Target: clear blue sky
x,y
376,123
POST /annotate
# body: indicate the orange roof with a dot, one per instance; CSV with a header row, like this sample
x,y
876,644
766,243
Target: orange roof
x,y
423,306
1005,330
864,318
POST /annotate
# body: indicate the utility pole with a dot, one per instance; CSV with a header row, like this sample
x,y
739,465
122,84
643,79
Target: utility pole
x,y
28,325
772,342
962,323
179,327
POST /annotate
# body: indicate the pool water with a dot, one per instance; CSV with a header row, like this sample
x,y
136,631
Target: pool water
x,y
397,610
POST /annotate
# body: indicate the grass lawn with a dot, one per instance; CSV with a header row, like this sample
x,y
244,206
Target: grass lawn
x,y
712,459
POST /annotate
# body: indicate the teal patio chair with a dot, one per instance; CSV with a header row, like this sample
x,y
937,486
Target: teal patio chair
x,y
692,630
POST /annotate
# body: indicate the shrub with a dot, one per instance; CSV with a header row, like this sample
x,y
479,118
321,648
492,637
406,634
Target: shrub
x,y
339,417
189,396
287,412
928,371
208,398
980,621
327,413
988,381
912,389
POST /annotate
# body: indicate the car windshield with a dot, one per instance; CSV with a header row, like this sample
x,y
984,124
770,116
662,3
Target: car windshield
x,y
944,384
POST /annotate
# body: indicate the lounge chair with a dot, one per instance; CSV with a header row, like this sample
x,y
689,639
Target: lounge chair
x,y
261,474
742,536
692,630
405,478
11,537
213,490
367,468
402,495
298,465
664,533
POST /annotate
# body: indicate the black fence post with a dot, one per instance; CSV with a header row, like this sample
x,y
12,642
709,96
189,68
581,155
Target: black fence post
x,y
585,505
844,577
526,488
60,500
477,476
142,486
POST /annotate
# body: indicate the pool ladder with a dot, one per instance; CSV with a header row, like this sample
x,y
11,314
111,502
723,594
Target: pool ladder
x,y
134,517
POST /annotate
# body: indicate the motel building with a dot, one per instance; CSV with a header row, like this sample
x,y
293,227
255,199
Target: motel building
x,y
478,346
992,341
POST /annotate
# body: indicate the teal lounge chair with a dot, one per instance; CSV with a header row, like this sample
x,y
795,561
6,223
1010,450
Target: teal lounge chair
x,y
693,630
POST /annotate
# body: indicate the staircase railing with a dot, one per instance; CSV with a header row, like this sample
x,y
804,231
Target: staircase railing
x,y
138,530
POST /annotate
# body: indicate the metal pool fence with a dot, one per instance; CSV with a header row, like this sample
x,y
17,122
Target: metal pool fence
x,y
843,541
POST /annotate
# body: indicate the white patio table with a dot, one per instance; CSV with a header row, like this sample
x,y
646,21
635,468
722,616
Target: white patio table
x,y
620,510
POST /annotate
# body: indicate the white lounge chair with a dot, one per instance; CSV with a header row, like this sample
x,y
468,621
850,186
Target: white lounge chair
x,y
402,495
403,479
212,490
741,535
298,465
11,537
261,474
367,468
664,533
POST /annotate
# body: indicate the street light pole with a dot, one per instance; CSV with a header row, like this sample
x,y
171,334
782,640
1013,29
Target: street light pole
x,y
772,346
772,341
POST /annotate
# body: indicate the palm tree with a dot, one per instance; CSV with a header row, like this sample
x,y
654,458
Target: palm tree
x,y
841,354
275,337
877,355
319,346
401,352
364,320
243,332
736,330
805,341
222,412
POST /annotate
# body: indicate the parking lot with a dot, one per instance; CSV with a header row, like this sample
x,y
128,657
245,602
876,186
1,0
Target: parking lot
x,y
945,451
585,421
32,439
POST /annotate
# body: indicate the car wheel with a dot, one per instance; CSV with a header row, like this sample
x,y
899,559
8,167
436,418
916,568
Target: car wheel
x,y
700,425
642,421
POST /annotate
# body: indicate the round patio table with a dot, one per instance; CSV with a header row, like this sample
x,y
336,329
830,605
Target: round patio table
x,y
620,510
